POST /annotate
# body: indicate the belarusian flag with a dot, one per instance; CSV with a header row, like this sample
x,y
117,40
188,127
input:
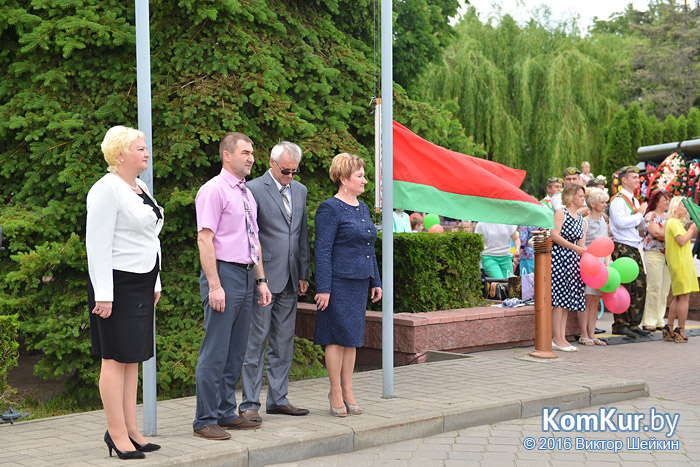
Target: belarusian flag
x,y
430,178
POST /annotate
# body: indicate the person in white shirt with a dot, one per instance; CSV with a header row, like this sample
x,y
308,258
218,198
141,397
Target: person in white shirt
x,y
586,176
495,257
123,253
554,186
572,176
626,215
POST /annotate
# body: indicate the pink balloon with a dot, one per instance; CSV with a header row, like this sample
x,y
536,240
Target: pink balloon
x,y
597,281
436,228
617,301
590,265
601,247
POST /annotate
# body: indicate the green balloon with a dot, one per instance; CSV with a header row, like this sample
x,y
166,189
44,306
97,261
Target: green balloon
x,y
430,220
613,280
628,269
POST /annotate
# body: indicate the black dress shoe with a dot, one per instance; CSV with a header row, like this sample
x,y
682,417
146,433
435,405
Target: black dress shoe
x,y
640,331
148,447
125,455
288,409
626,331
599,331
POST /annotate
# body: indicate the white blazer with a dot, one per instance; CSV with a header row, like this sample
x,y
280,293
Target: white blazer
x,y
121,233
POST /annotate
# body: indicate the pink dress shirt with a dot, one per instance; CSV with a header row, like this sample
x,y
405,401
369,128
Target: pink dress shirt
x,y
219,205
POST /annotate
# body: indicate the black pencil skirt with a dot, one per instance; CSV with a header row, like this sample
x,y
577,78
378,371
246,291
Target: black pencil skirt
x,y
127,335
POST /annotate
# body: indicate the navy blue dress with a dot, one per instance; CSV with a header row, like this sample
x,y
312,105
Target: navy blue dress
x,y
346,267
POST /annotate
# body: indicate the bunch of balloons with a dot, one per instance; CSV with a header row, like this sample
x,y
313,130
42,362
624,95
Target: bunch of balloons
x,y
608,279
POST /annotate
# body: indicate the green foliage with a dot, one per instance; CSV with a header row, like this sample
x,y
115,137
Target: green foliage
x,y
534,97
271,69
8,354
434,271
308,360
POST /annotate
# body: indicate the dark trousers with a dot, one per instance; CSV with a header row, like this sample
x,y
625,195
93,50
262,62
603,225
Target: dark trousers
x,y
224,344
637,289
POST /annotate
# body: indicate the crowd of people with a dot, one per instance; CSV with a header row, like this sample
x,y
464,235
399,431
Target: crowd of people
x,y
656,235
253,245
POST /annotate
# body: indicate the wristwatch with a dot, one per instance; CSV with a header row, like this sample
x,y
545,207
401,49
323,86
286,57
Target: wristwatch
x,y
262,279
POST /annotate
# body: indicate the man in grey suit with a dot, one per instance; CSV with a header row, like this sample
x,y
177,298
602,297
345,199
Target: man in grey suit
x,y
281,204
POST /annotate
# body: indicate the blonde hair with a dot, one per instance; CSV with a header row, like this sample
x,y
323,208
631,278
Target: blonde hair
x,y
117,141
567,196
595,195
343,166
676,202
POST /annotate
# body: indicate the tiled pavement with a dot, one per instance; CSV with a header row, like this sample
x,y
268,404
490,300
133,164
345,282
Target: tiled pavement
x,y
672,372
430,399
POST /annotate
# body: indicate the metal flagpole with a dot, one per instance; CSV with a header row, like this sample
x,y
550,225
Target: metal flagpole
x,y
143,85
387,203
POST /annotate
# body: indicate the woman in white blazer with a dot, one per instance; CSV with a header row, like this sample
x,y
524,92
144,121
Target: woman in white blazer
x,y
123,252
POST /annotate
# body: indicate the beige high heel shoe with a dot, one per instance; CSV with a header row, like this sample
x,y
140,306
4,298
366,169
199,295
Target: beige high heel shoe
x,y
339,412
352,409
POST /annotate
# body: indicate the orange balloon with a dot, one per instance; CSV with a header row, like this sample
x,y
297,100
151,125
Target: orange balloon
x,y
601,247
436,228
415,214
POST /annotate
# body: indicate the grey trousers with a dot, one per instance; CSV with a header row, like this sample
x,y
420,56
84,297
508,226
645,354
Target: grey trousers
x,y
271,326
223,347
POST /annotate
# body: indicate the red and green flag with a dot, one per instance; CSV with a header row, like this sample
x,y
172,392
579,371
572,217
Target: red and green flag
x,y
430,178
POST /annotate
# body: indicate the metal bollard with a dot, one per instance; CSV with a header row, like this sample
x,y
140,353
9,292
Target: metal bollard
x,y
542,245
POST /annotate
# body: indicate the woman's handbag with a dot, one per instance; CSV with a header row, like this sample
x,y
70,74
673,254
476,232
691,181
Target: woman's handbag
x,y
495,289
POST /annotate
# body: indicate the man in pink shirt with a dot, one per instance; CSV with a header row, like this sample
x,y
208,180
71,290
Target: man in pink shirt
x,y
229,251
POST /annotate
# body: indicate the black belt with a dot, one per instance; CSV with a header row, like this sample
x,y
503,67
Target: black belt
x,y
247,266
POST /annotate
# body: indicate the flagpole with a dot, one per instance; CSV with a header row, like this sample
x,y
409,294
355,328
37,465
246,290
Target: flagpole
x,y
387,202
143,90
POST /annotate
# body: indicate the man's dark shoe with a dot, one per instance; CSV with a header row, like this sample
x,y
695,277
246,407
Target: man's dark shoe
x,y
626,331
599,331
212,432
241,424
251,415
288,409
640,331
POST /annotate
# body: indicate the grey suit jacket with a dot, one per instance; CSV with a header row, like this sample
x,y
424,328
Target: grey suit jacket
x,y
285,248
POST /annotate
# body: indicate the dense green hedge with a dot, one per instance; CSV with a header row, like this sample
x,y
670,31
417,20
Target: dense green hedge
x,y
8,354
272,69
434,271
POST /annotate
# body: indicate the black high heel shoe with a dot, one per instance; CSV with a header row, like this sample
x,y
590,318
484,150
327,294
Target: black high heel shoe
x,y
121,454
148,447
678,338
668,334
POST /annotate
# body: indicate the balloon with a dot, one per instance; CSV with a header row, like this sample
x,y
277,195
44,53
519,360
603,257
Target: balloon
x,y
596,281
617,301
602,309
628,269
590,265
601,247
414,215
613,281
430,220
436,228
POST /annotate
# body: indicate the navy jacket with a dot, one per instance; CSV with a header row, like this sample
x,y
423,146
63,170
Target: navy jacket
x,y
344,245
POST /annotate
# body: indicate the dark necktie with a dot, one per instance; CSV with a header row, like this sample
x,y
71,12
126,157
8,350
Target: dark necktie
x,y
252,238
287,207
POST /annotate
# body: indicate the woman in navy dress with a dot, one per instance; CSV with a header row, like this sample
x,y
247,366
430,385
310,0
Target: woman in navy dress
x,y
346,268
568,289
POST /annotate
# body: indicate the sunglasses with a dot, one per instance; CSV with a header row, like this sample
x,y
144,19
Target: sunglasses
x,y
286,171
552,180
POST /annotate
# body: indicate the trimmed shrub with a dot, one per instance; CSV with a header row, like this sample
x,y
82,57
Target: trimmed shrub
x,y
8,354
434,271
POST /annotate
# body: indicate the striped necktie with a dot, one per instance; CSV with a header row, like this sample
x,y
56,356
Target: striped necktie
x,y
287,207
252,238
